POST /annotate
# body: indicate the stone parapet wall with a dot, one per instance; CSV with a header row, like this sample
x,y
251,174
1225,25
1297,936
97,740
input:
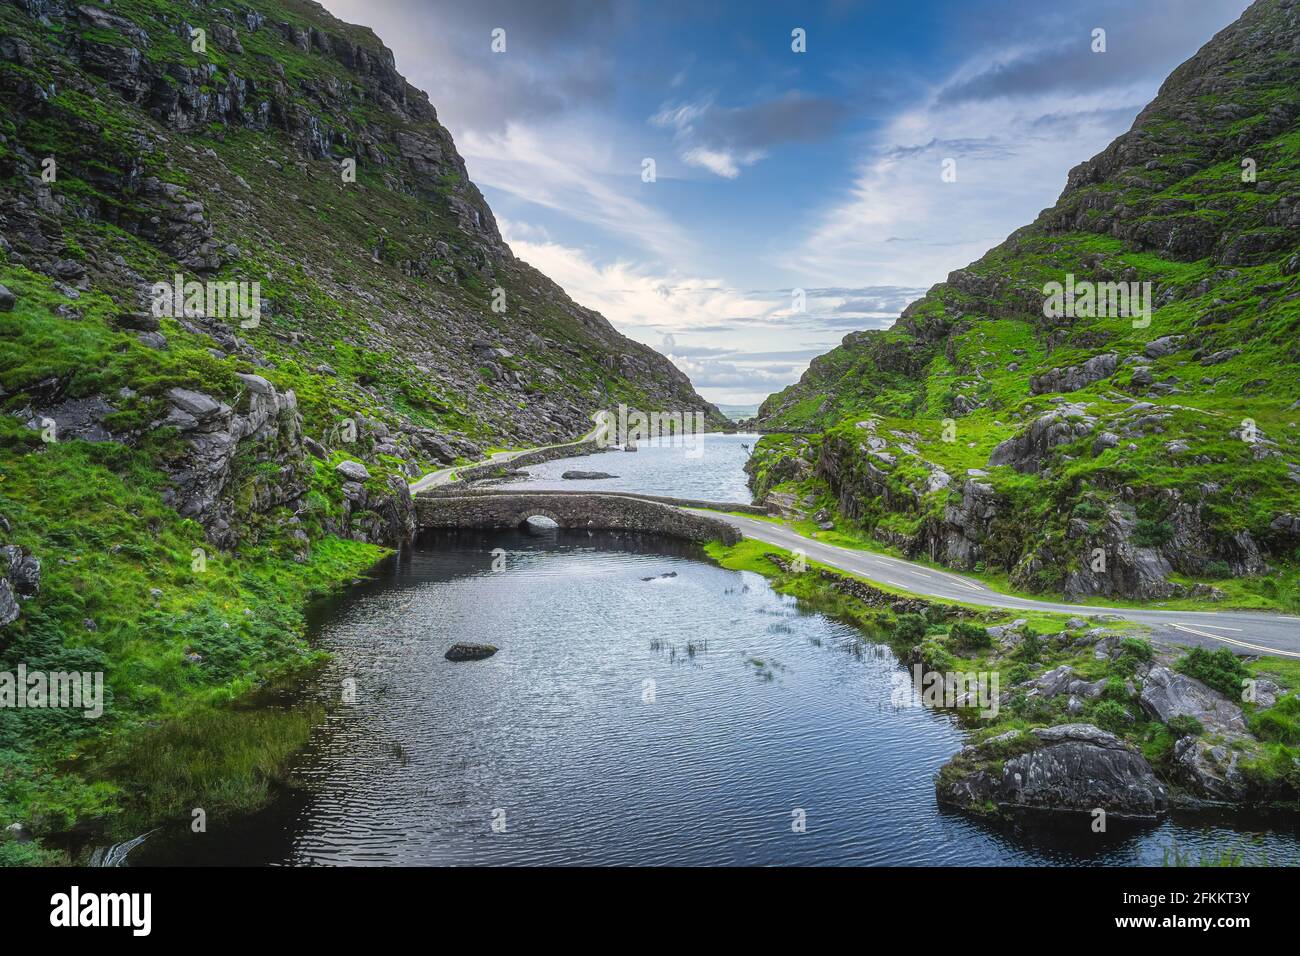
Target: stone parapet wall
x,y
594,510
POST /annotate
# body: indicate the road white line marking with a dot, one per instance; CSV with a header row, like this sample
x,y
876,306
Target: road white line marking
x,y
1229,640
868,564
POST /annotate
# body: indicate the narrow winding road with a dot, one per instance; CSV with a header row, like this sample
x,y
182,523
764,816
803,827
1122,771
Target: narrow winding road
x,y
1247,631
444,475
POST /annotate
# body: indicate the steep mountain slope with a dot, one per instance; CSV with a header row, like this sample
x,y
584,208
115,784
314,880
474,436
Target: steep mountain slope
x,y
172,487
1115,454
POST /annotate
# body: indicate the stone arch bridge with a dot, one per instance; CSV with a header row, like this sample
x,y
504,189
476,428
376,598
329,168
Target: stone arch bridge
x,y
486,508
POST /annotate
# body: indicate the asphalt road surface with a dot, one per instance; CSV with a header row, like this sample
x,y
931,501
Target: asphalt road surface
x,y
1247,632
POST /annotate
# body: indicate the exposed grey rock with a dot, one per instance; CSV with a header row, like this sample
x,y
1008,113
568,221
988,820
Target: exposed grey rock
x,y
1165,345
1069,768
1129,569
1218,358
1167,694
7,300
18,833
538,525
1027,452
9,609
585,475
82,418
195,404
21,569
256,384
1076,376
137,321
353,471
1266,693
1051,683
1103,441
1209,771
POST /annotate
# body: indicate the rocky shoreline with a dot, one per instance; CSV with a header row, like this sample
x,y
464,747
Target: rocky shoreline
x,y
1092,720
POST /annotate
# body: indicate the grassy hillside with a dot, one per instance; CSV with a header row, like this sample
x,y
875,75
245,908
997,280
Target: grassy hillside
x,y
174,488
983,433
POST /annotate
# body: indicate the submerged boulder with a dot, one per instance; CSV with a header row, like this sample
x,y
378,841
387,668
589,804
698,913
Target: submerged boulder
x,y
462,651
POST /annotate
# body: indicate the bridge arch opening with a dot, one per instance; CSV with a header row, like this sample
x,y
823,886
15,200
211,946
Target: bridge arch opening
x,y
539,524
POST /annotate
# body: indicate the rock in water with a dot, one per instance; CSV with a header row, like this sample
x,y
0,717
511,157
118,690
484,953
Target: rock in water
x,y
1071,767
469,652
540,525
586,475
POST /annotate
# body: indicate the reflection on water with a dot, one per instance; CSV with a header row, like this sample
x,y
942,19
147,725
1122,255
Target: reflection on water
x,y
712,469
629,718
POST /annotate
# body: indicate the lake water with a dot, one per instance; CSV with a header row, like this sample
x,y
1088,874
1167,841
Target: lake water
x,y
686,719
712,469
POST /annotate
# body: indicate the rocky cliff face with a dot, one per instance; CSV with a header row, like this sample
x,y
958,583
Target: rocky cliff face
x,y
271,143
1103,450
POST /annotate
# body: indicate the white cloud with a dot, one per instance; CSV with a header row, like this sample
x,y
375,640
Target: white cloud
x,y
703,325
570,167
720,162
637,300
900,223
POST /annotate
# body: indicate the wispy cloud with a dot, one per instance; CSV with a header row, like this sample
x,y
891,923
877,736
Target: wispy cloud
x,y
572,170
723,140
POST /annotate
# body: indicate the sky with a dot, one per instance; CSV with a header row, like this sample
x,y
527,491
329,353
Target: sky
x,y
904,141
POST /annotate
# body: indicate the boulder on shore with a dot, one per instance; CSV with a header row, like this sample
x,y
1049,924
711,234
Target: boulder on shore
x,y
1167,694
461,651
1072,767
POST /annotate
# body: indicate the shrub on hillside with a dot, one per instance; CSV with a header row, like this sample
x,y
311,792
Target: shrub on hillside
x,y
1132,652
1185,725
910,628
1111,715
966,636
1280,723
1220,669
